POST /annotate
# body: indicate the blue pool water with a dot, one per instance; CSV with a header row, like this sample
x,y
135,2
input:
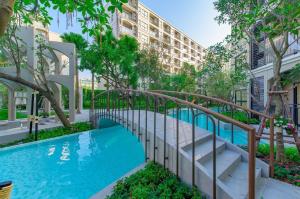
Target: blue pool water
x,y
75,166
239,136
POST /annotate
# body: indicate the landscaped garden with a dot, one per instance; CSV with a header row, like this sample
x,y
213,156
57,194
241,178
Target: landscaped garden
x,y
153,182
119,62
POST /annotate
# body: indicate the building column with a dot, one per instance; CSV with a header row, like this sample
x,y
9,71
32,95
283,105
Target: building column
x,y
72,108
80,99
11,105
47,106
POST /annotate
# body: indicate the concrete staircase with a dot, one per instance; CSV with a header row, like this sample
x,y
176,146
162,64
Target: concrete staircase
x,y
232,161
232,172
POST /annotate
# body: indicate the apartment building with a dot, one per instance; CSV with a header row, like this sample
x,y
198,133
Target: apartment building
x,y
150,29
261,77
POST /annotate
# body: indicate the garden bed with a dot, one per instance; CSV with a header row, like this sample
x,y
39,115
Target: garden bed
x,y
288,171
153,182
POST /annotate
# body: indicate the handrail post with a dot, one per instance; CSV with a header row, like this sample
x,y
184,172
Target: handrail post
x,y
271,163
177,140
154,127
165,133
251,166
193,147
146,129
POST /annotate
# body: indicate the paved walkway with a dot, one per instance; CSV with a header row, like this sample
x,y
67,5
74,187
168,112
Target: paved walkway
x,y
21,132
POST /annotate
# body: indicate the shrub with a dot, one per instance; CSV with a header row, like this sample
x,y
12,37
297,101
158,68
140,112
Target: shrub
x,y
242,117
153,182
291,153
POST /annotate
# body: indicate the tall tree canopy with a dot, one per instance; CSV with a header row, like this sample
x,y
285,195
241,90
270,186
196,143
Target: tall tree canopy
x,y
92,13
113,60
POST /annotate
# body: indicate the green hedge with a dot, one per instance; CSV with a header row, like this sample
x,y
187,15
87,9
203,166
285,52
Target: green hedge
x,y
291,153
153,182
52,133
242,117
4,114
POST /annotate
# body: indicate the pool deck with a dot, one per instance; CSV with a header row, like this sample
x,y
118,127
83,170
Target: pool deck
x,y
18,133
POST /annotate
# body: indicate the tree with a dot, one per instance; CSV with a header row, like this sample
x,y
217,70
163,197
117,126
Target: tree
x,y
113,61
13,46
92,16
81,44
185,80
92,13
148,66
223,70
277,22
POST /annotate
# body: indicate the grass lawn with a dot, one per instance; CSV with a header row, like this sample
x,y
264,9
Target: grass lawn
x,y
153,182
4,115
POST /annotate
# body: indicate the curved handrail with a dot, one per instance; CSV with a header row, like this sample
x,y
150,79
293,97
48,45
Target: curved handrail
x,y
219,116
186,94
130,94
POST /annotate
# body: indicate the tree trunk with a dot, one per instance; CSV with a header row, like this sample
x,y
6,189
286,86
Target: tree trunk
x,y
278,108
6,10
78,105
280,144
59,112
93,93
45,93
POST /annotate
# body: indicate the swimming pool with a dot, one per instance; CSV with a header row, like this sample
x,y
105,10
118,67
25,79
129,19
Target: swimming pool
x,y
76,166
239,136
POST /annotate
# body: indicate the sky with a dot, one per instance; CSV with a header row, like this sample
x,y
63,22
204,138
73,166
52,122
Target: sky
x,y
193,17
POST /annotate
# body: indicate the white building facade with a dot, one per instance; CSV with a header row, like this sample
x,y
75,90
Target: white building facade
x,y
150,29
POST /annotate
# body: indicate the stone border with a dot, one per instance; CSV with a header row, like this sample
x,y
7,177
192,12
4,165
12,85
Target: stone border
x,y
108,190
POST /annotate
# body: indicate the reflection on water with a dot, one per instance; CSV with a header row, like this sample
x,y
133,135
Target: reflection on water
x,y
72,167
65,154
84,141
51,150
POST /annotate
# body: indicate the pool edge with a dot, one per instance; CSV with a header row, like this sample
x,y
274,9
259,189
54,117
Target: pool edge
x,y
108,189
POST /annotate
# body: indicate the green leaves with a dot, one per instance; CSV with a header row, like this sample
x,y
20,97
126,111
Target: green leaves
x,y
92,13
153,182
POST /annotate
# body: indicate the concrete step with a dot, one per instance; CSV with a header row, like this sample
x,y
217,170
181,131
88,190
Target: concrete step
x,y
204,147
237,180
226,161
271,188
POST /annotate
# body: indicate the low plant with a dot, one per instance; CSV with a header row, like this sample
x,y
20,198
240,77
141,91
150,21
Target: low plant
x,y
291,153
153,182
241,116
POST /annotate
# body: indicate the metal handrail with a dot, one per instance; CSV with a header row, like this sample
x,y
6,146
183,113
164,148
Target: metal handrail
x,y
207,98
263,117
129,95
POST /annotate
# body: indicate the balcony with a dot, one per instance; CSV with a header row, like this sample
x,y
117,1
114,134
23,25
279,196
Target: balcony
x,y
186,41
167,28
127,31
177,45
154,20
132,4
129,16
154,34
167,40
177,35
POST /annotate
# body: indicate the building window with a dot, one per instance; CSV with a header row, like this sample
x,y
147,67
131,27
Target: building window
x,y
143,26
144,38
257,91
143,13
